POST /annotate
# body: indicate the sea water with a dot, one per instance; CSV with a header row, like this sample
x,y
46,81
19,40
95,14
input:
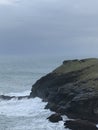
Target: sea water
x,y
17,75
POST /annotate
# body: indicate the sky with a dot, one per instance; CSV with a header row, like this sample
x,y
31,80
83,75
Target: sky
x,y
49,27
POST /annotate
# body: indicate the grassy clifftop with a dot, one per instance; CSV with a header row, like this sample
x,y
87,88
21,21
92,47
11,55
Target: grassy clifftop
x,y
74,65
88,68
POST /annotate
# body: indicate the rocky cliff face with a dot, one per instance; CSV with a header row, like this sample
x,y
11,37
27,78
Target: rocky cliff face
x,y
71,89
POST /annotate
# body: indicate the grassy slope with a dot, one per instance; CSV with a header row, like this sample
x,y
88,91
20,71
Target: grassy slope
x,y
89,71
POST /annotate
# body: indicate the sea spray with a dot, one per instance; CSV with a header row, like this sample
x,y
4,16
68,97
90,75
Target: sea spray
x,y
28,114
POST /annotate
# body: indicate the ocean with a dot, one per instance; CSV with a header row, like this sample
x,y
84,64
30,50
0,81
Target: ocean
x,y
17,75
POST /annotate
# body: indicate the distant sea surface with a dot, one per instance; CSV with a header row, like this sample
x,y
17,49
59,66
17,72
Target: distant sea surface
x,y
17,75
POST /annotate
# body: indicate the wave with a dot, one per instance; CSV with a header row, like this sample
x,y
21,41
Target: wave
x,y
24,93
30,113
22,107
18,96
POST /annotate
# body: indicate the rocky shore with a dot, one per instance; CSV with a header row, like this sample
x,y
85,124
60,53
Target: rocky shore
x,y
5,97
71,89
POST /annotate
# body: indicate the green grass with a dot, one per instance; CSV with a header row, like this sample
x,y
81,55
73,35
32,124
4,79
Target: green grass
x,y
75,65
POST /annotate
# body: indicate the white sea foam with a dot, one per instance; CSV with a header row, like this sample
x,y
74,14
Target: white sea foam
x,y
32,110
24,107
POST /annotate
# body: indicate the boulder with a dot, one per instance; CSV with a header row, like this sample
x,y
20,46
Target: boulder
x,y
5,97
80,125
55,118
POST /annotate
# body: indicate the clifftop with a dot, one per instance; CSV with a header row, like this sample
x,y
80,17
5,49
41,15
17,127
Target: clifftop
x,y
74,65
86,68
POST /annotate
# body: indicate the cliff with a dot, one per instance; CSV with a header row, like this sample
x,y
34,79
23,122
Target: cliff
x,y
71,89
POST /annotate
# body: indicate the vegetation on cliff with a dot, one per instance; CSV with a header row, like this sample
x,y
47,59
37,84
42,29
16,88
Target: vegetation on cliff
x,y
71,89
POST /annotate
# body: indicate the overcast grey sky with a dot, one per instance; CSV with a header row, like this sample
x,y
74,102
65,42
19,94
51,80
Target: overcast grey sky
x,y
49,27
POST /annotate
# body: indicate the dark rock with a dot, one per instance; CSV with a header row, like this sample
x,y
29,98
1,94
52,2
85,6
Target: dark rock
x,y
71,89
22,97
55,118
80,125
4,97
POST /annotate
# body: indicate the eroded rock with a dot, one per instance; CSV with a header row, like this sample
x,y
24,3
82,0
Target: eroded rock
x,y
55,118
80,125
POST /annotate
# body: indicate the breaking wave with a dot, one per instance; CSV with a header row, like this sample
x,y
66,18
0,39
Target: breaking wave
x,y
29,114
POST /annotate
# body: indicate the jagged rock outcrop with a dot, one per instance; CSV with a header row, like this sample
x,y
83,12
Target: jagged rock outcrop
x,y
80,125
5,97
71,89
55,118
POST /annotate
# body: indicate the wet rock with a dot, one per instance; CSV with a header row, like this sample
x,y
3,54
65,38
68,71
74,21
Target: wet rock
x,y
4,97
80,125
55,118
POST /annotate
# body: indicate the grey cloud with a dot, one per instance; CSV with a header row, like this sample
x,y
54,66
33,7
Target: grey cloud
x,y
62,27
